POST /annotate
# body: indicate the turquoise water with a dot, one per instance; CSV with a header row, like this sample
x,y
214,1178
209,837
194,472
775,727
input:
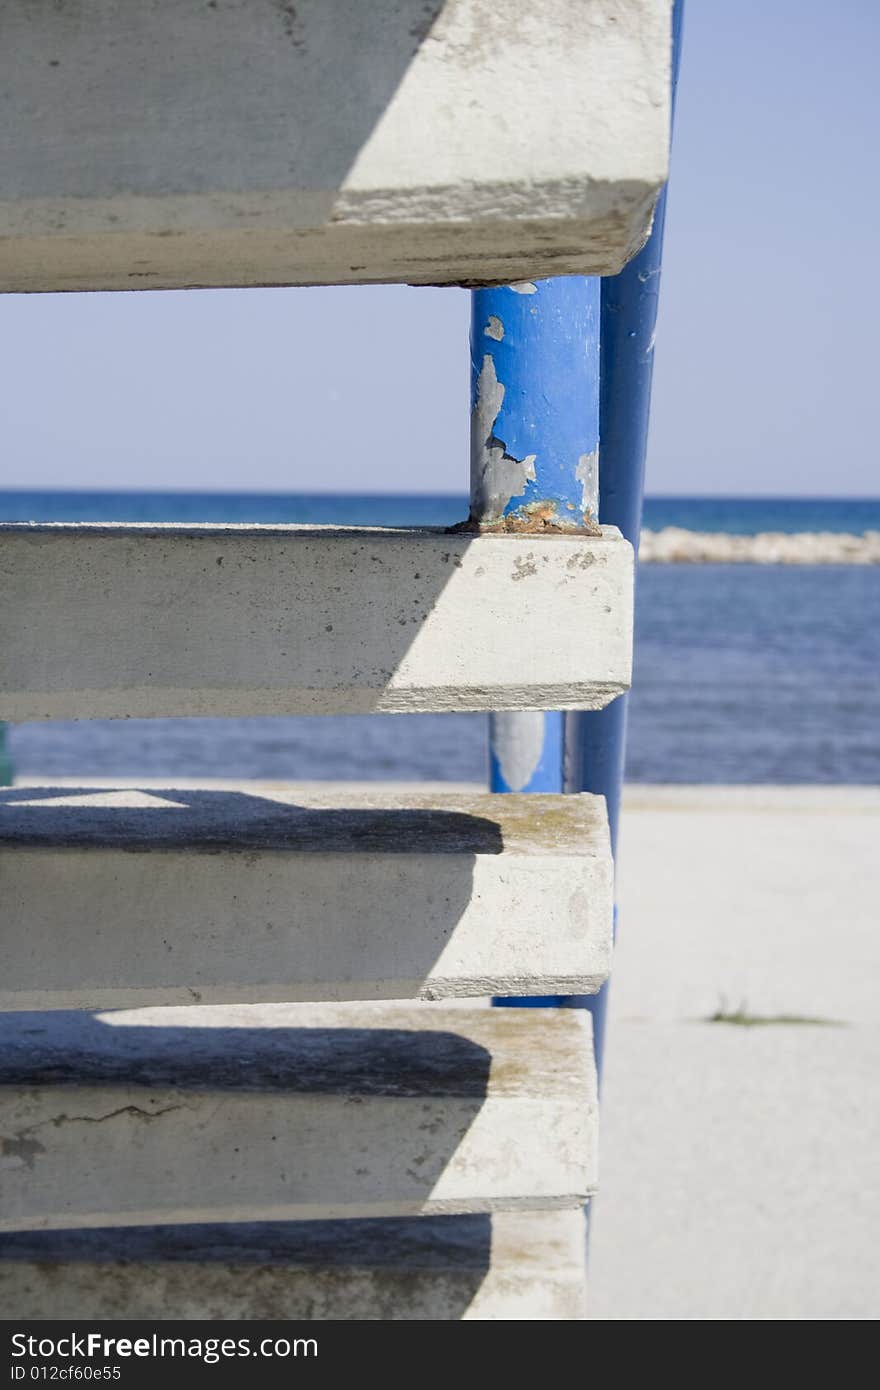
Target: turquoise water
x,y
742,673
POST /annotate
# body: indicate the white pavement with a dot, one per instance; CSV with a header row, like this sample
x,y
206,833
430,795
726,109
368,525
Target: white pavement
x,y
739,1164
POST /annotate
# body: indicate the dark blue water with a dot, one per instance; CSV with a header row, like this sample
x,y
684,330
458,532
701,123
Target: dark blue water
x,y
323,509
742,515
748,673
747,516
742,673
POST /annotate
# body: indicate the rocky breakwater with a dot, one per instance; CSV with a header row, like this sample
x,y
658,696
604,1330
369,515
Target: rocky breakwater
x,y
675,546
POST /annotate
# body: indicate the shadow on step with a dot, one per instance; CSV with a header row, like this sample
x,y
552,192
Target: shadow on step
x,y
74,817
66,1048
124,898
250,1113
391,1269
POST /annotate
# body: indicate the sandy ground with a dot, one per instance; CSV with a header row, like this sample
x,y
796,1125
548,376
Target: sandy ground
x,y
741,1163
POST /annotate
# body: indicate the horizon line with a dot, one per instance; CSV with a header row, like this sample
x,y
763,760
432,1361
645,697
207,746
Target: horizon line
x,y
452,495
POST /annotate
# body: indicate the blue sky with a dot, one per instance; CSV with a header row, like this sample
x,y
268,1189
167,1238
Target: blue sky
x,y
766,351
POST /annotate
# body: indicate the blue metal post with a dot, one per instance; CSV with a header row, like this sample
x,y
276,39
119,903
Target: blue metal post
x,y
596,739
527,754
537,416
535,406
534,453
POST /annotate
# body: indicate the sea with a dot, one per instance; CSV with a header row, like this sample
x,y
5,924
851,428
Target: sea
x,y
743,673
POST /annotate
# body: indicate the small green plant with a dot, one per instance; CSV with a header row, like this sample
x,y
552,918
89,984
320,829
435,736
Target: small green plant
x,y
741,1018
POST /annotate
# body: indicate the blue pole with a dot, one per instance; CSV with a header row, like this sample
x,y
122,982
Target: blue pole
x,y
527,754
596,739
534,452
535,406
538,410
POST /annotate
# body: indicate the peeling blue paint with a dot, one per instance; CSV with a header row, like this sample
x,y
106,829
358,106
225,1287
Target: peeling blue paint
x,y
526,752
535,403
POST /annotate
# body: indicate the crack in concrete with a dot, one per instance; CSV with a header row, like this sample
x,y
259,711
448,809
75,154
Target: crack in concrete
x,y
21,1148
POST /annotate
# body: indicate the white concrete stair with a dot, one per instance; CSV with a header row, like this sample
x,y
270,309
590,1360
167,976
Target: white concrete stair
x,y
292,1112
117,898
523,1266
118,621
177,143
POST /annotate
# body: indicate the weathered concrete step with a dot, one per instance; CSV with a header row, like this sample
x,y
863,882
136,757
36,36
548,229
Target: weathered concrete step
x,y
282,1112
116,621
511,1266
428,141
259,894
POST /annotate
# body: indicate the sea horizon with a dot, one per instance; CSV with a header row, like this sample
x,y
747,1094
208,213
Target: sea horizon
x,y
731,514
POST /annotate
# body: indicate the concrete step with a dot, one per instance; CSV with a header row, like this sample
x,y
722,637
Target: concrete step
x,y
511,1266
117,898
292,1112
119,621
430,141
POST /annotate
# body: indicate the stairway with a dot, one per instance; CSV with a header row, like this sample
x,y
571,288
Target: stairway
x,y
247,1067
121,898
141,621
290,1112
330,142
